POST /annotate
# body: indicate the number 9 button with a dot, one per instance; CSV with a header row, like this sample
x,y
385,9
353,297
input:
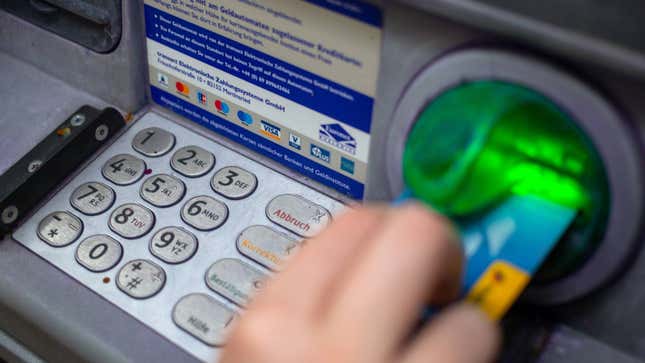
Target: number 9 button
x,y
234,183
162,190
204,213
173,245
131,220
99,253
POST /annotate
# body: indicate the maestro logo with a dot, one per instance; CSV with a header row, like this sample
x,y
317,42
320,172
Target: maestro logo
x,y
270,131
335,135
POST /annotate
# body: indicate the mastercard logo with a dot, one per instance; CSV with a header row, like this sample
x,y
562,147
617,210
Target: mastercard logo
x,y
222,107
182,88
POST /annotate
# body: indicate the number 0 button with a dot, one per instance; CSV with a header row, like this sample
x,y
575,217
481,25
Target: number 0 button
x,y
99,253
192,161
204,213
124,169
162,190
131,220
234,183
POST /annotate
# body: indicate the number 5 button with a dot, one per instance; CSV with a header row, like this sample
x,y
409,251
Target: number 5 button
x,y
192,161
234,183
99,253
162,190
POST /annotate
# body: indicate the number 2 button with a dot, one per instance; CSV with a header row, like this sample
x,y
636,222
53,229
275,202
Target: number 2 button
x,y
131,220
192,161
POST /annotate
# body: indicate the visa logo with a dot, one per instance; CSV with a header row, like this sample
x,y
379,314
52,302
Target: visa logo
x,y
320,153
270,131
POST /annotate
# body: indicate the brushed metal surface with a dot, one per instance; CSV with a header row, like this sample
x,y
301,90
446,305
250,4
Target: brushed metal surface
x,y
181,279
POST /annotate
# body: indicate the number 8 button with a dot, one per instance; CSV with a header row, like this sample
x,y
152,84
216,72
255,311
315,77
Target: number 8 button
x,y
131,220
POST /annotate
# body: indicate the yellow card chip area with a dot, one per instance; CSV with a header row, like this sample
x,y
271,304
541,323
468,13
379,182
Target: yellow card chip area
x,y
498,288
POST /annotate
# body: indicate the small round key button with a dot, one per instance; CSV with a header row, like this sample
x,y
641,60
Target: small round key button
x,y
192,161
204,213
99,253
131,220
60,229
162,190
234,183
173,245
141,279
153,142
92,198
124,169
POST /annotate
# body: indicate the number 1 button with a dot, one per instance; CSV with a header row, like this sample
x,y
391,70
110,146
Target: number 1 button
x,y
192,161
153,142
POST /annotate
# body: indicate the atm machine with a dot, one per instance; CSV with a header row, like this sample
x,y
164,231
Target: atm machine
x,y
249,124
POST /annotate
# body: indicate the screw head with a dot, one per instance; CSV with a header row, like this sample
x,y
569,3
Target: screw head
x,y
9,214
34,165
77,120
101,132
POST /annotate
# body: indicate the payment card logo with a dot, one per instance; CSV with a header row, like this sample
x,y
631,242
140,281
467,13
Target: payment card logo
x,y
245,118
222,107
335,135
182,89
320,153
295,141
201,97
347,165
270,131
162,79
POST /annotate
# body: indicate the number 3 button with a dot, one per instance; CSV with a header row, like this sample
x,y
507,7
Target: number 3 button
x,y
131,220
99,253
234,183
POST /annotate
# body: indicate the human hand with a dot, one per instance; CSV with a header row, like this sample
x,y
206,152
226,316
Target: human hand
x,y
355,292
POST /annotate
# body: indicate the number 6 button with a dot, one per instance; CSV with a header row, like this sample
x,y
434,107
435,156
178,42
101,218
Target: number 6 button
x,y
204,213
131,220
99,253
234,183
192,161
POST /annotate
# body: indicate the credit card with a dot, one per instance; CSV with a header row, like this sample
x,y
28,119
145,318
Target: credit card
x,y
505,247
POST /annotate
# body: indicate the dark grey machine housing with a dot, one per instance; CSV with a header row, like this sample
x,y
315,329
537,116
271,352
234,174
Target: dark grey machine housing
x,y
46,315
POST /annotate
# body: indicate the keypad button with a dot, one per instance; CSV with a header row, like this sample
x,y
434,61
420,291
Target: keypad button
x,y
141,279
153,142
204,318
92,198
297,214
204,213
124,169
192,161
60,229
173,245
235,280
234,183
266,246
99,253
162,190
131,220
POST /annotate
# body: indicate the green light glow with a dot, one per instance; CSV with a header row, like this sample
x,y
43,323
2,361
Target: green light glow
x,y
481,142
